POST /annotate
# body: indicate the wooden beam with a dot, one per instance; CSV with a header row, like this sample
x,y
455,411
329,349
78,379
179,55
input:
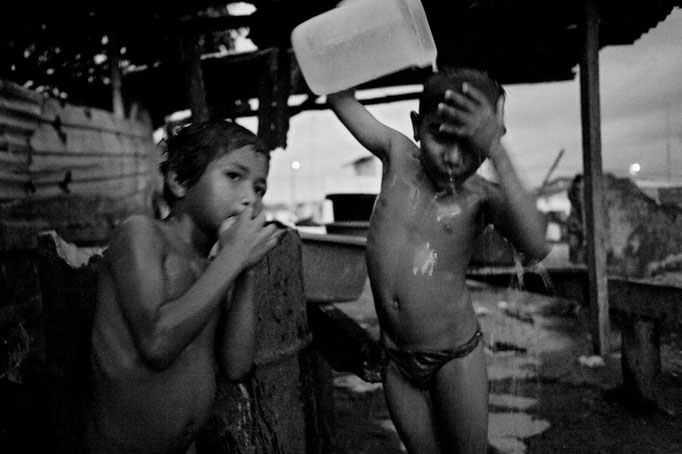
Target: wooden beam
x,y
116,76
593,182
190,58
273,93
193,25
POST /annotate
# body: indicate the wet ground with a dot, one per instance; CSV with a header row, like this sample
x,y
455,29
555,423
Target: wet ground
x,y
548,394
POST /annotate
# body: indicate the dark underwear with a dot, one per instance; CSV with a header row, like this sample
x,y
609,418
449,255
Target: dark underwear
x,y
419,367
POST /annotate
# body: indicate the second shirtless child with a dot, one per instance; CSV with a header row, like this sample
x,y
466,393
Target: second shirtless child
x,y
164,311
431,207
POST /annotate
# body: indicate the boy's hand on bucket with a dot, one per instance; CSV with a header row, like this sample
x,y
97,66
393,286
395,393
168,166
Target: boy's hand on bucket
x,y
470,116
249,234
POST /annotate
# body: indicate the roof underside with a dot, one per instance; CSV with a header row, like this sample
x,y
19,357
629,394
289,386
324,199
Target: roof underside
x,y
518,41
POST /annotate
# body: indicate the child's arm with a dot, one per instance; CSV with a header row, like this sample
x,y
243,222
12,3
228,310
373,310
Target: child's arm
x,y
370,132
512,209
238,333
162,329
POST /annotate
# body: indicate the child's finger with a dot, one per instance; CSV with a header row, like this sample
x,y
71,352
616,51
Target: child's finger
x,y
276,237
460,101
259,219
450,114
474,94
247,212
226,224
451,129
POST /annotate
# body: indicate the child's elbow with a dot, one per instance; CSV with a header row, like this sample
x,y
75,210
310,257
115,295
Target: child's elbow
x,y
236,372
538,250
158,362
156,356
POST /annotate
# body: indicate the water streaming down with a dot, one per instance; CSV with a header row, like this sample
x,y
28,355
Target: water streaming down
x,y
513,351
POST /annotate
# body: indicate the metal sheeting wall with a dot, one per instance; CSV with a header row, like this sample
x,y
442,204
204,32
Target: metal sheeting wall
x,y
66,167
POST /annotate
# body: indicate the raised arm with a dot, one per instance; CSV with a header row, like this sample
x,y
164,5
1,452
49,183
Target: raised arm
x,y
513,210
370,132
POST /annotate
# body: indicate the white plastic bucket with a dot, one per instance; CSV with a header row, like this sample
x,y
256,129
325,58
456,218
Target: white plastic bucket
x,y
362,40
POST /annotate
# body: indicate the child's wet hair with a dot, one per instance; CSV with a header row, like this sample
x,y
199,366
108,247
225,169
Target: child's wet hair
x,y
452,79
192,147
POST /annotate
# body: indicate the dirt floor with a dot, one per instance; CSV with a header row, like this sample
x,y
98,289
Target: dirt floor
x,y
547,393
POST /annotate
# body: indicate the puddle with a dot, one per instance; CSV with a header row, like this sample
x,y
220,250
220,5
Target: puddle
x,y
506,431
355,384
511,401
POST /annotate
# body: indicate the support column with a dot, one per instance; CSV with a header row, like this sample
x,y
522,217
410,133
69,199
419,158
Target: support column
x,y
273,95
194,78
593,182
641,360
116,77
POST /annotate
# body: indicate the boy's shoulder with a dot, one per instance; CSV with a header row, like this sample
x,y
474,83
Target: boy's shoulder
x,y
136,224
136,231
405,154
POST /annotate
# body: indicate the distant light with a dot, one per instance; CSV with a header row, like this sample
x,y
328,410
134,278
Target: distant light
x,y
295,165
635,168
240,9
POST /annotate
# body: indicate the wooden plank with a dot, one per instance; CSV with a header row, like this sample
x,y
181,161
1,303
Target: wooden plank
x,y
85,141
97,182
61,207
65,215
101,165
194,78
7,175
113,53
593,192
15,143
21,107
10,159
11,90
68,117
15,123
646,298
641,360
273,93
643,297
13,187
11,190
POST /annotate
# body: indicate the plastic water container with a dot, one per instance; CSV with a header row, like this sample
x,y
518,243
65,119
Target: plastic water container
x,y
362,40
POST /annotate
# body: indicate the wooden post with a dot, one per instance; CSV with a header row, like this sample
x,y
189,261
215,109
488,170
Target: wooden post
x,y
273,94
641,358
190,58
279,408
116,78
593,185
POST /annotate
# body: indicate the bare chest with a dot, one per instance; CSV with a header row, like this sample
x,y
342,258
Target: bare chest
x,y
180,272
411,209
